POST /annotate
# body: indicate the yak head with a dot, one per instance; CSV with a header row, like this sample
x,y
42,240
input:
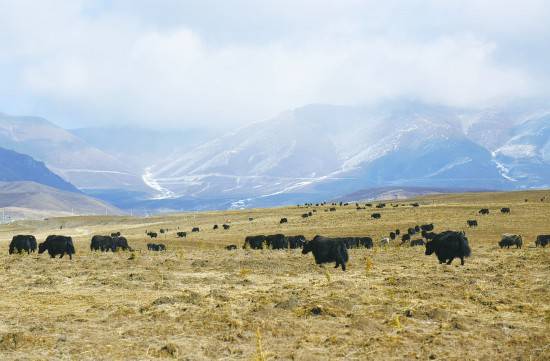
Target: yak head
x,y
429,248
42,247
307,248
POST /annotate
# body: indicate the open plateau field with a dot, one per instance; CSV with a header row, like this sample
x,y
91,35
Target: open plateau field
x,y
198,301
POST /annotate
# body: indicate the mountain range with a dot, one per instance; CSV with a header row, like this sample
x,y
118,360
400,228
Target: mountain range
x,y
323,152
317,152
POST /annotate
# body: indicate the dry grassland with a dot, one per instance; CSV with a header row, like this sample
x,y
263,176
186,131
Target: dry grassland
x,y
198,301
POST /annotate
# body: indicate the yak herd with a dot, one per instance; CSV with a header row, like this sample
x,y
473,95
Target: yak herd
x,y
446,245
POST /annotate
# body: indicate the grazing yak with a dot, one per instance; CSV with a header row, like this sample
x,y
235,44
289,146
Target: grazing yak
x,y
471,223
101,243
397,232
405,238
384,241
376,216
305,215
283,220
411,231
215,226
152,234
509,240
195,229
106,243
483,211
277,241
392,235
226,226
542,240
296,241
332,209
57,245
254,242
250,219
122,243
22,243
181,234
157,247
428,235
417,242
427,227
365,242
326,250
230,247
505,210
449,245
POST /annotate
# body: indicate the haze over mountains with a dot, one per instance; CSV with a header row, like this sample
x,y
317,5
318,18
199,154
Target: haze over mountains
x,y
311,153
322,152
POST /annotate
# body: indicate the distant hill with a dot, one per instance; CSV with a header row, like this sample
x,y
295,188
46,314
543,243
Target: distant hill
x,y
400,193
33,200
20,167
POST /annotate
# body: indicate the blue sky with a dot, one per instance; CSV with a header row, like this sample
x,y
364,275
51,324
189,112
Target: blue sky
x,y
220,64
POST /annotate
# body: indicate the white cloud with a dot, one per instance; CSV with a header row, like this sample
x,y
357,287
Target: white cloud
x,y
70,60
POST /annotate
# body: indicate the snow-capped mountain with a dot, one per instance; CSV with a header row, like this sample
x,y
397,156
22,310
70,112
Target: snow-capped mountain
x,y
324,151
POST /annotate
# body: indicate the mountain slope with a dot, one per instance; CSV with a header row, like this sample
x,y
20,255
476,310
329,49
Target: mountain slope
x,y
20,167
30,199
321,152
67,155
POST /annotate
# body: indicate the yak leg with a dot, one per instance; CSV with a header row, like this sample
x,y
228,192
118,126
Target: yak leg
x,y
462,261
450,260
62,254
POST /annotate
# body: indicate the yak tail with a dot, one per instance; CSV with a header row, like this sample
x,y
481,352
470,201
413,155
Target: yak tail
x,y
344,252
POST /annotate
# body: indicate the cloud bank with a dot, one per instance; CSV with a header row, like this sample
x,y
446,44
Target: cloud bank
x,y
220,64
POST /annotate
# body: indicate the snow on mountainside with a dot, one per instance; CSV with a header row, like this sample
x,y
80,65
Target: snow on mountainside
x,y
67,155
324,151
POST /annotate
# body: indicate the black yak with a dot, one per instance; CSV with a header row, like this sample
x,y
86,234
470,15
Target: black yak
x,y
296,241
326,250
542,240
509,240
57,245
22,243
157,247
101,243
427,227
254,242
277,241
449,245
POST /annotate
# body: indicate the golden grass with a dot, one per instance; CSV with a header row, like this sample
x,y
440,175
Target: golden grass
x,y
198,301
